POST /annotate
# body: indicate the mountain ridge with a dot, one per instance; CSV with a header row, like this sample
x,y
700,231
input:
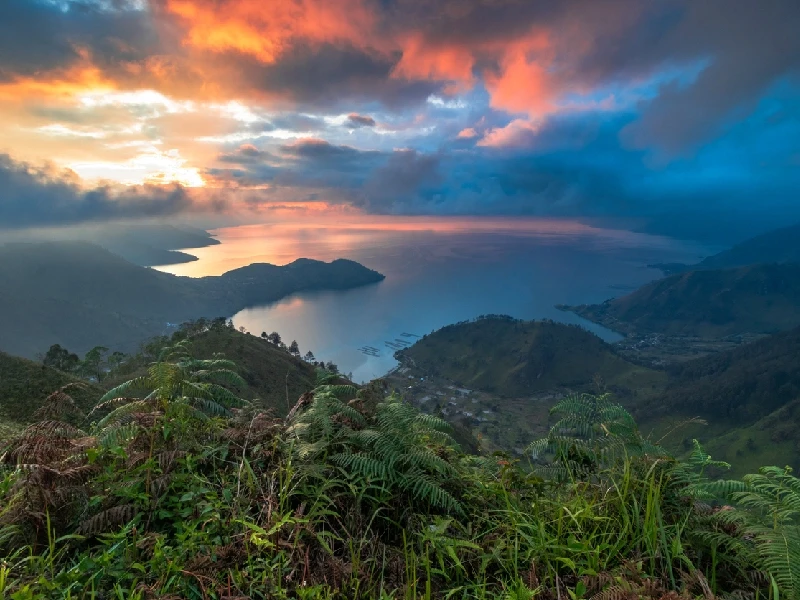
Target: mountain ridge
x,y
80,295
757,299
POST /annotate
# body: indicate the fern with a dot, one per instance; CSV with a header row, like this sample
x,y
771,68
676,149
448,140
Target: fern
x,y
395,454
767,513
591,433
187,381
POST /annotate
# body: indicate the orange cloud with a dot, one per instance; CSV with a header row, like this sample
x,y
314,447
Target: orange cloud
x,y
266,29
68,83
467,133
425,61
524,83
515,134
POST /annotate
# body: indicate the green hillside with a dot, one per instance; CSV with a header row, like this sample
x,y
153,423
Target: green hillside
x,y
271,374
706,304
80,295
513,358
25,384
749,396
742,384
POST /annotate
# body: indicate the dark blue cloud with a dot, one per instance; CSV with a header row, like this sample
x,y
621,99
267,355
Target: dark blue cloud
x,y
33,197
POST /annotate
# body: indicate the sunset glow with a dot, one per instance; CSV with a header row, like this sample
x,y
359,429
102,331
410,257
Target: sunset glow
x,y
408,107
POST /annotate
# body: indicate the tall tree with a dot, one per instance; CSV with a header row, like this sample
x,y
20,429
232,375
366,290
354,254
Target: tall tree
x,y
294,349
60,358
94,363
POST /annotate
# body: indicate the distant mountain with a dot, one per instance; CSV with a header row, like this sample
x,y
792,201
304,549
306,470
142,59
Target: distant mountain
x,y
708,304
80,295
778,246
513,358
145,244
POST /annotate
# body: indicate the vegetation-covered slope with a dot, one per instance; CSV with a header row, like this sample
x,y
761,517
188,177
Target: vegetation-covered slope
x,y
273,376
80,295
742,385
749,396
707,304
179,489
778,246
513,358
25,384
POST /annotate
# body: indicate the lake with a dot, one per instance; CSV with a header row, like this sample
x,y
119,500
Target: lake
x,y
438,271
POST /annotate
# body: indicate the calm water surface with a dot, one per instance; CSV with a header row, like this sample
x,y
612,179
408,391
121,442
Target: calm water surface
x,y
438,271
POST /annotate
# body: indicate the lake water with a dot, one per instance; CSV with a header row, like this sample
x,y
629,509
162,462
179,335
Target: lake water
x,y
438,271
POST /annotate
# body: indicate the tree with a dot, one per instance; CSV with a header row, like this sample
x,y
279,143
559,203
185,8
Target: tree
x,y
275,338
309,357
333,368
94,363
116,359
263,335
60,358
294,349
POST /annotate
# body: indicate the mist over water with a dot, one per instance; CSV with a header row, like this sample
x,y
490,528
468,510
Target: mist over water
x,y
437,272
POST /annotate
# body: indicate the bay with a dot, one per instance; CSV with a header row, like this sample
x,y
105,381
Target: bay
x,y
439,270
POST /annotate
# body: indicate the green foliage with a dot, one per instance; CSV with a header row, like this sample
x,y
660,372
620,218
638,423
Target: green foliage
x,y
25,386
178,493
592,432
175,380
766,522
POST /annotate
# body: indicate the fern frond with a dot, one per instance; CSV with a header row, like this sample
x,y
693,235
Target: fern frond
x,y
107,520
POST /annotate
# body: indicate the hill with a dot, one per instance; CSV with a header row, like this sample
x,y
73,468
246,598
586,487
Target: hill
x,y
778,246
706,304
272,374
25,384
750,397
80,295
144,244
512,358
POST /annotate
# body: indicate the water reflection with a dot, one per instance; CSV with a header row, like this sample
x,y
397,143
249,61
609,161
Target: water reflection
x,y
437,271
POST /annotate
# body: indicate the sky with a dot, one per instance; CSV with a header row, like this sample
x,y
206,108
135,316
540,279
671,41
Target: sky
x,y
682,114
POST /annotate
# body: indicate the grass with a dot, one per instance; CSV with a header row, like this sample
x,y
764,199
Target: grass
x,y
354,496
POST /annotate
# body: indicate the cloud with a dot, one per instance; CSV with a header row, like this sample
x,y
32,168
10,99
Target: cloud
x,y
747,50
355,120
478,106
518,133
39,196
467,133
